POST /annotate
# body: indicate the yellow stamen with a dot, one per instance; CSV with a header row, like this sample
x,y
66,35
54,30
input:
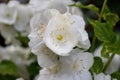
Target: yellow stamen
x,y
59,37
74,66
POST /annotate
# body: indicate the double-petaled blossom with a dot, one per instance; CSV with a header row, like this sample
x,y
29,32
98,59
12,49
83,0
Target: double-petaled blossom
x,y
64,32
60,32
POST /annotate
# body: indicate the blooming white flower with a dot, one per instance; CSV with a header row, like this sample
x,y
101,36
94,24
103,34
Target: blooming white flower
x,y
64,32
102,76
60,32
60,5
77,62
114,65
7,14
24,15
73,67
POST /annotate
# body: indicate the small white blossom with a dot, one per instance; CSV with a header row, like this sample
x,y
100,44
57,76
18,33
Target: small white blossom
x,y
77,62
7,14
24,15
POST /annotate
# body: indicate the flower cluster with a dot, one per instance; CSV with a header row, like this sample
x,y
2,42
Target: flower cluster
x,y
50,37
56,29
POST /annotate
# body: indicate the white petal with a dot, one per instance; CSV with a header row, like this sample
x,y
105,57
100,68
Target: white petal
x,y
84,75
46,57
84,40
102,76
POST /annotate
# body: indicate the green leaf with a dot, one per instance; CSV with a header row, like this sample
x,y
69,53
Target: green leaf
x,y
8,68
111,18
105,51
7,77
115,75
97,66
103,31
111,47
23,39
90,7
33,69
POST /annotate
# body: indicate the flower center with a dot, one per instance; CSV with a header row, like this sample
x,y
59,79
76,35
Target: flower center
x,y
59,37
74,66
7,15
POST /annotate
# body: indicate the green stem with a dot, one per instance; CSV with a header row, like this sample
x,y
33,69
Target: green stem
x,y
93,43
102,10
108,63
99,19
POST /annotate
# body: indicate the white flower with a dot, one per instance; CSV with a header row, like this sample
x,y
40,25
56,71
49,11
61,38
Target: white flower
x,y
60,32
73,67
7,14
24,15
102,76
45,75
114,65
60,5
76,62
64,32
